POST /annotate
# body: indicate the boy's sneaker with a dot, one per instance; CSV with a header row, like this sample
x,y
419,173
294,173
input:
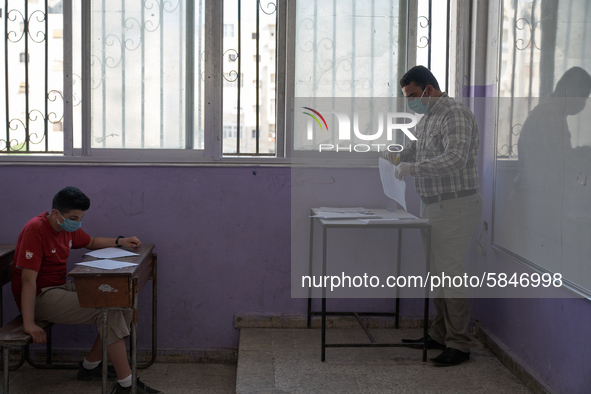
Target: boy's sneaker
x,y
142,388
95,373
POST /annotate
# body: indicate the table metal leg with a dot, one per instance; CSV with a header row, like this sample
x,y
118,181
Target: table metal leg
x,y
426,316
311,256
398,263
105,339
323,295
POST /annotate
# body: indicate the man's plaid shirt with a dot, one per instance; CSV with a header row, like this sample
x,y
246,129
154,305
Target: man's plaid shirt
x,y
444,156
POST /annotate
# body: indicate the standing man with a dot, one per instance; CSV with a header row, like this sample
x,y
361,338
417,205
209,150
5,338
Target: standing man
x,y
41,292
443,162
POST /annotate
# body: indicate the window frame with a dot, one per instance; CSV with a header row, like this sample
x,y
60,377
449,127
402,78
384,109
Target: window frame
x,y
213,95
212,103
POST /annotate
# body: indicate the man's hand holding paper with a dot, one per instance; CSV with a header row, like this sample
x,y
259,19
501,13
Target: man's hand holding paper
x,y
402,169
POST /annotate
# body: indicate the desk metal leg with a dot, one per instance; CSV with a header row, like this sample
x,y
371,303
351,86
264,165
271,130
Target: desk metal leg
x,y
133,346
154,313
105,340
323,295
309,320
133,340
5,353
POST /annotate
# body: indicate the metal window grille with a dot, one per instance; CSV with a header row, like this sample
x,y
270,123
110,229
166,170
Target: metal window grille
x,y
33,99
252,56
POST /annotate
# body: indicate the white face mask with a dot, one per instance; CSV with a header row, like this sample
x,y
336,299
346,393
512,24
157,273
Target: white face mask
x,y
68,225
418,106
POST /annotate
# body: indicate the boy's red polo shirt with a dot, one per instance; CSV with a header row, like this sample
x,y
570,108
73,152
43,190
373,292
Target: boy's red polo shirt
x,y
42,249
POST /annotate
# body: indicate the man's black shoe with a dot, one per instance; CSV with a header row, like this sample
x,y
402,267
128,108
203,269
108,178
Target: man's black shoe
x,y
450,356
431,343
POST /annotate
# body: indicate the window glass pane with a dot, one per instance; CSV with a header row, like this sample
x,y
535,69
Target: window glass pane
x,y
346,61
35,78
77,74
199,65
139,74
345,49
240,58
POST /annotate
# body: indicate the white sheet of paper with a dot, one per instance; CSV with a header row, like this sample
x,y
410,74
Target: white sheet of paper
x,y
342,210
343,215
107,264
393,188
393,221
110,253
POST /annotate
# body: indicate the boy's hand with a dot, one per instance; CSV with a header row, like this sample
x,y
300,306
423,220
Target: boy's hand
x,y
36,332
131,242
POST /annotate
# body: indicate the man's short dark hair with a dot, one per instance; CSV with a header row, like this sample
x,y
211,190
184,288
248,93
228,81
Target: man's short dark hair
x,y
421,76
70,198
575,82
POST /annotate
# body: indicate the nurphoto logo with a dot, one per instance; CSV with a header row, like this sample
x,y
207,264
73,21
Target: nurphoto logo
x,y
393,121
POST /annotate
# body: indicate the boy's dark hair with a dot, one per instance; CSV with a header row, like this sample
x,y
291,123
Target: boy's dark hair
x,y
421,76
70,198
575,82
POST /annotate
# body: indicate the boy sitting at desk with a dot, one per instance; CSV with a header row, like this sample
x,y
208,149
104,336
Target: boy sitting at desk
x,y
41,292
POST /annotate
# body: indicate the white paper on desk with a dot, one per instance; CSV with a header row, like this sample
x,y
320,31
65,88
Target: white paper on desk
x,y
393,188
107,264
343,210
343,215
110,253
393,221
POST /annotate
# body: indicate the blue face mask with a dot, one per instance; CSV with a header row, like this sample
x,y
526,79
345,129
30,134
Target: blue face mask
x,y
417,105
68,225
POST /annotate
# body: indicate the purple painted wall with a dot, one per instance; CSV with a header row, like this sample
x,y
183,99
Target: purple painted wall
x,y
222,234
550,337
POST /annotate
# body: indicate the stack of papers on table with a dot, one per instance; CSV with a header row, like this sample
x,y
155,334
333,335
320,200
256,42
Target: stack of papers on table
x,y
104,257
344,213
393,221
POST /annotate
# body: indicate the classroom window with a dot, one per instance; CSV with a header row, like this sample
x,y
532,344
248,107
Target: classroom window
x,y
149,79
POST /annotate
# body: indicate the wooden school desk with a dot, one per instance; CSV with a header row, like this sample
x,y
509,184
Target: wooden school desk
x,y
405,221
119,289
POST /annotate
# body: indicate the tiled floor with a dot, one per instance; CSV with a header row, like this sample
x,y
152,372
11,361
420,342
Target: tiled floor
x,y
173,378
288,361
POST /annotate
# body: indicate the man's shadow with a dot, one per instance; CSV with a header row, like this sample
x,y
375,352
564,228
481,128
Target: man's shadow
x,y
551,200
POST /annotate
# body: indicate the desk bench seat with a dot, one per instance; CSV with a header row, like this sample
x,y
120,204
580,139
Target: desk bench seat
x,y
13,334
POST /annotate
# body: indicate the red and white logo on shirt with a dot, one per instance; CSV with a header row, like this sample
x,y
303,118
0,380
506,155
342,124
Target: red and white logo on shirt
x,y
29,255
